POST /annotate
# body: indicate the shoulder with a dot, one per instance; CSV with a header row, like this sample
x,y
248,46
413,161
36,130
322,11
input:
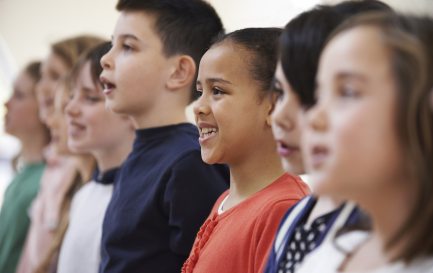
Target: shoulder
x,y
286,189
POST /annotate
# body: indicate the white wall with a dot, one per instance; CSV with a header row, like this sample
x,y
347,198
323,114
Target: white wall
x,y
28,27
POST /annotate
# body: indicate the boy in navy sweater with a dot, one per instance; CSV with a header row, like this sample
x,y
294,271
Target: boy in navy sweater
x,y
164,191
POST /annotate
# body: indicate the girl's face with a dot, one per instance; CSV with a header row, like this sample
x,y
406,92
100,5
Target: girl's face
x,y
56,121
287,123
52,70
21,118
91,127
351,143
232,119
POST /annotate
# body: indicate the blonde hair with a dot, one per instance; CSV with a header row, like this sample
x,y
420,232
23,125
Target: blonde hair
x,y
69,50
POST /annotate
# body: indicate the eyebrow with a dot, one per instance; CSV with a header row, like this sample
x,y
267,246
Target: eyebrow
x,y
215,80
125,36
351,76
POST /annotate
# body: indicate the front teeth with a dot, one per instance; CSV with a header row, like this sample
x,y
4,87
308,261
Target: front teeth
x,y
206,132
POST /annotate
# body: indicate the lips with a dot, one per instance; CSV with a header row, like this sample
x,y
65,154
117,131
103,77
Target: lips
x,y
286,150
107,85
75,129
319,155
207,131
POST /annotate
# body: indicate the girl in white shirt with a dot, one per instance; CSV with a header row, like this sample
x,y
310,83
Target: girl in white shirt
x,y
369,139
108,137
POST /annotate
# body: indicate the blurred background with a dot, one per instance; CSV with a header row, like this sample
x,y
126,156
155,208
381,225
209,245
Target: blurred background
x,y
28,27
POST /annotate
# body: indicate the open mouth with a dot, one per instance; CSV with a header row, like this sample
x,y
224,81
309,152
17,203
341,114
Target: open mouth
x,y
208,132
286,150
107,85
74,129
319,155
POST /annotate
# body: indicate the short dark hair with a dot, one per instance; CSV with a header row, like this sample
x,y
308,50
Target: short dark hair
x,y
184,26
262,45
304,37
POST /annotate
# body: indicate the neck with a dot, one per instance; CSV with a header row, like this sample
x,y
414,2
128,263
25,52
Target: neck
x,y
32,148
85,165
113,157
168,112
388,213
253,174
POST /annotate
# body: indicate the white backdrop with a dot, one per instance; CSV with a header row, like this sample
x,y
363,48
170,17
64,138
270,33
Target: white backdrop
x,y
27,27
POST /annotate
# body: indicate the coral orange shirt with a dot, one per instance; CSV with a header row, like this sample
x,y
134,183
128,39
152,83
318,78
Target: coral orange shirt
x,y
239,239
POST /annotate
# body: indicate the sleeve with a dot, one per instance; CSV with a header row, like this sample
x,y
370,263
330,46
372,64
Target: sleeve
x,y
191,191
265,231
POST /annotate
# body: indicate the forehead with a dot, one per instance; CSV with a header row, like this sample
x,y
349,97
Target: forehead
x,y
24,82
360,50
137,23
225,59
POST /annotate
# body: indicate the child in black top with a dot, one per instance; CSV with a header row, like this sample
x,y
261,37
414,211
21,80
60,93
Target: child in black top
x,y
165,191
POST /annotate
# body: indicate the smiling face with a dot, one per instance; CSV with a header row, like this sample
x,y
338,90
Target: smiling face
x,y
52,70
231,116
286,124
352,148
91,127
21,118
135,69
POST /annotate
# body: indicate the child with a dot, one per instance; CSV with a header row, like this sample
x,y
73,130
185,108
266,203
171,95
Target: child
x,y
306,225
372,84
88,124
233,117
62,176
22,121
164,191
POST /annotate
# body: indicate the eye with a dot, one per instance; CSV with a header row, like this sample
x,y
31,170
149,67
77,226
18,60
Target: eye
x,y
276,89
348,91
93,99
199,92
127,48
216,91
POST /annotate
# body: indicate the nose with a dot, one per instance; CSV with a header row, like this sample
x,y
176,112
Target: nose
x,y
107,60
8,103
71,108
317,118
201,106
282,117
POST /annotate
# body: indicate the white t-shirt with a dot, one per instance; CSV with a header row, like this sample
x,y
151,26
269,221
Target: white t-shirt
x,y
327,258
81,247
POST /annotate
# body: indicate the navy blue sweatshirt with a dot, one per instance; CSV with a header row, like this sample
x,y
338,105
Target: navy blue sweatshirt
x,y
163,194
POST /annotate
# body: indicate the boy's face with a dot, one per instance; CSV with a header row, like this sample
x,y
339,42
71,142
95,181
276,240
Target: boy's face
x,y
135,69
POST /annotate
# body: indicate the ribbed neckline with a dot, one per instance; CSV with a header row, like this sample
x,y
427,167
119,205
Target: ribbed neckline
x,y
156,132
106,177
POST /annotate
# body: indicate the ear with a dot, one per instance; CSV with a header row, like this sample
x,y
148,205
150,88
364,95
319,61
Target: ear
x,y
271,100
183,73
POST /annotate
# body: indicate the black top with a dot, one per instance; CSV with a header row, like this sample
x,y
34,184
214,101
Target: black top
x,y
163,194
108,177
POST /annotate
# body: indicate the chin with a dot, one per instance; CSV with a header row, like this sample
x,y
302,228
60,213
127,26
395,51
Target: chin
x,y
113,106
77,148
208,159
292,167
